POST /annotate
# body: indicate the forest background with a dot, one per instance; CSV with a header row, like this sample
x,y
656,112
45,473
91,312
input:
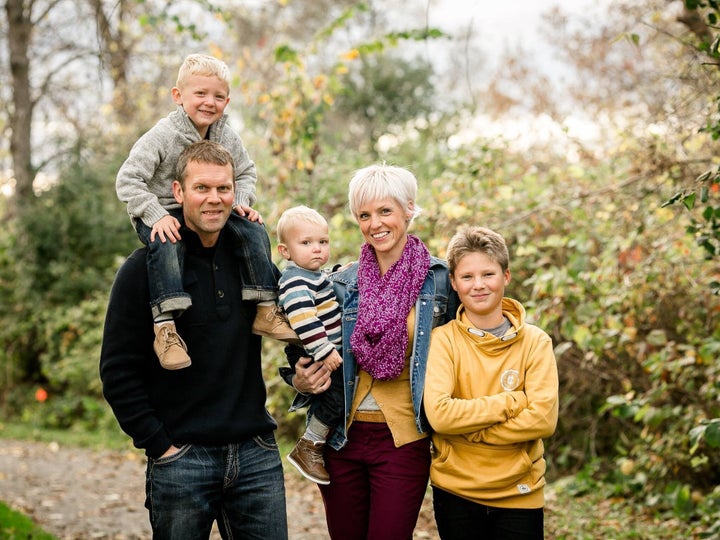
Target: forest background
x,y
602,176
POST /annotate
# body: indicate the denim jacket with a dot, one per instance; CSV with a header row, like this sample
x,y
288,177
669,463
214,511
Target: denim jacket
x,y
436,305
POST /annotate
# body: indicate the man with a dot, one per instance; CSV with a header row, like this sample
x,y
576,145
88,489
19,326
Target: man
x,y
212,455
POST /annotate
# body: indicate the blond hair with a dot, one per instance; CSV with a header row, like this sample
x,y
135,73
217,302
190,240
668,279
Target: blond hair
x,y
294,215
205,66
475,239
378,182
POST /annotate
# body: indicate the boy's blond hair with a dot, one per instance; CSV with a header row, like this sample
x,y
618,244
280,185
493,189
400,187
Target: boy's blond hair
x,y
293,215
205,66
475,239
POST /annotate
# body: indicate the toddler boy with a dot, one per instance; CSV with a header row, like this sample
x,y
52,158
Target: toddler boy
x,y
308,300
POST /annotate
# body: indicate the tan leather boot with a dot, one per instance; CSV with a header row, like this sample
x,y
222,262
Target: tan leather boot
x,y
170,347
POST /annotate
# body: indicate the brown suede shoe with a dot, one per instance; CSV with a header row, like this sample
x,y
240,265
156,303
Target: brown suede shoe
x,y
170,347
307,457
271,322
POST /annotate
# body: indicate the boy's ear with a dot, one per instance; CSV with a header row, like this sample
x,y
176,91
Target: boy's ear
x,y
507,277
283,251
452,282
177,97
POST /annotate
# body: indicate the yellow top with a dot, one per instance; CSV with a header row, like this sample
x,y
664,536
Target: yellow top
x,y
393,397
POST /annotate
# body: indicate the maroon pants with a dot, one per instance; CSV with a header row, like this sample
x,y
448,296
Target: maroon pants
x,y
375,489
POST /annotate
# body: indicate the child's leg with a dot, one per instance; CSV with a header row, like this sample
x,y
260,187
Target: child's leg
x,y
307,456
260,276
316,431
167,297
259,273
328,409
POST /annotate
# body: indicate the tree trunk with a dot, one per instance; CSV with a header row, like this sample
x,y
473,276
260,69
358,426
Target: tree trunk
x,y
19,35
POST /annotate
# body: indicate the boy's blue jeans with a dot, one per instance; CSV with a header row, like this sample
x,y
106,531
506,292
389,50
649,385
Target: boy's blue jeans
x,y
164,264
241,486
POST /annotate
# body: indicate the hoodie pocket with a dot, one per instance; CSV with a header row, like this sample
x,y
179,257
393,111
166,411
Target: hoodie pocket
x,y
480,471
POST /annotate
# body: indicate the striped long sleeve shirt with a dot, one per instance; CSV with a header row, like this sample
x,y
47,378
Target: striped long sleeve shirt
x,y
308,299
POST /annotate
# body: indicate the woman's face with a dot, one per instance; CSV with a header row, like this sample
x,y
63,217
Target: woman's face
x,y
384,224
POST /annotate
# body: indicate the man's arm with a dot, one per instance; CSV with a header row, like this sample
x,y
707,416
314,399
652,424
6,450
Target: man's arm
x,y
126,356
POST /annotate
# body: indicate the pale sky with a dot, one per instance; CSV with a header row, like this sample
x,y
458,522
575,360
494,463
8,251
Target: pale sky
x,y
499,26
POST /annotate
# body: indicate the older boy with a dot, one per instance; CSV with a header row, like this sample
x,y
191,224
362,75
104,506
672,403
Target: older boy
x,y
491,395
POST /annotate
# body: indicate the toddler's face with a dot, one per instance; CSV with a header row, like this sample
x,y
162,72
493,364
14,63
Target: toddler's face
x,y
307,245
203,98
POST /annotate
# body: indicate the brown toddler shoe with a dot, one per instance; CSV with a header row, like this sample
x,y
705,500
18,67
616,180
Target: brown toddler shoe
x,y
271,322
307,457
170,347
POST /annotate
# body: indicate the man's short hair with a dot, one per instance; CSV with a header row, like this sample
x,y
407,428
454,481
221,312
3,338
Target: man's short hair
x,y
203,152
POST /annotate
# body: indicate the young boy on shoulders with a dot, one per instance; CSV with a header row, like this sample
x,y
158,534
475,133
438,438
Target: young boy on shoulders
x,y
491,396
308,299
144,183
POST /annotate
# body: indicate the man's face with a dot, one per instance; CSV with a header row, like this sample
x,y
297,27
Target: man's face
x,y
207,196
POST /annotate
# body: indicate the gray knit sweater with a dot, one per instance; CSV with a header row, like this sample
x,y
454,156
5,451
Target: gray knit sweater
x,y
144,182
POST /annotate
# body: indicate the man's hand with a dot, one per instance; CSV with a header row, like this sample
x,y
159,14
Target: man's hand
x,y
311,377
248,212
170,451
333,360
166,228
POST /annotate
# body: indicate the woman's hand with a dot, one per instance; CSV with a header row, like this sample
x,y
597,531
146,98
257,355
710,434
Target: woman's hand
x,y
311,377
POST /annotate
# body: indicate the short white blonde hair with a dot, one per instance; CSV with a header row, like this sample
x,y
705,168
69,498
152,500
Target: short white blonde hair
x,y
381,182
294,215
205,66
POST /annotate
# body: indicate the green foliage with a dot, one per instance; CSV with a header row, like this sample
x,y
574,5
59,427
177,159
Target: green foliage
x,y
299,102
597,259
593,505
383,92
15,526
705,223
610,274
57,261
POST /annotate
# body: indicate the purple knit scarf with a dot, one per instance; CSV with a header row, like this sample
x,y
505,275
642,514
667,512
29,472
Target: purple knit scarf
x,y
380,338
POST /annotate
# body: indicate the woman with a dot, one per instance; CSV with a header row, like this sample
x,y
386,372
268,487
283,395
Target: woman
x,y
379,458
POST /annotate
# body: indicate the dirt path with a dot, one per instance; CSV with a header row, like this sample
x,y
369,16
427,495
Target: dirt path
x,y
80,494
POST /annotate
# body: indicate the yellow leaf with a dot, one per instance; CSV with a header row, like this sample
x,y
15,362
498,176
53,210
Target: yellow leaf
x,y
350,55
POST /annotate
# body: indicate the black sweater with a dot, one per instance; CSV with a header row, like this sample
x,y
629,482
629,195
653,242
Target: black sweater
x,y
220,398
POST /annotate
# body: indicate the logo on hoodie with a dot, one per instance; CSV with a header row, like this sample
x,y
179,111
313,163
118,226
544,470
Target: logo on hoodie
x,y
510,380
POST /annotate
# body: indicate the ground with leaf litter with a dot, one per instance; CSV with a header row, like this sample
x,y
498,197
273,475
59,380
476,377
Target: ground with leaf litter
x,y
81,494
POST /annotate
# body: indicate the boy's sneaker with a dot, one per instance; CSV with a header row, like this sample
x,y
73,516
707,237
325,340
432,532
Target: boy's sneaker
x,y
271,322
170,347
307,457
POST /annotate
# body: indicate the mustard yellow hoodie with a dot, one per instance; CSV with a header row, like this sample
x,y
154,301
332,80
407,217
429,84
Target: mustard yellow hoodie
x,y
490,401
